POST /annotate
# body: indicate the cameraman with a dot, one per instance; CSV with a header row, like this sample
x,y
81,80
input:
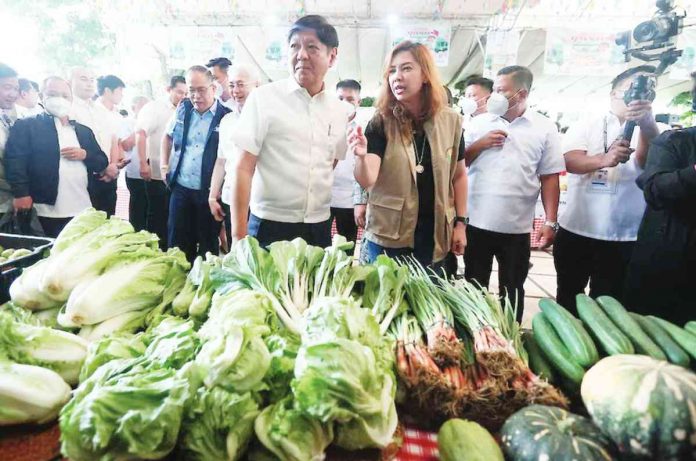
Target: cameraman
x,y
599,226
661,273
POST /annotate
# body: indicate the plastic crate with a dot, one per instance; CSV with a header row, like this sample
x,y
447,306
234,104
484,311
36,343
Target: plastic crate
x,y
10,270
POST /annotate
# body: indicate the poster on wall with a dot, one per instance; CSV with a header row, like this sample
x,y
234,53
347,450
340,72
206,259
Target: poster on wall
x,y
435,35
275,53
189,45
501,51
582,52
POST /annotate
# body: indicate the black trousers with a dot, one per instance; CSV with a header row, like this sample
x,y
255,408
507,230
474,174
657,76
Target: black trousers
x,y
138,205
192,227
267,231
158,210
104,197
512,251
579,260
53,226
345,223
228,224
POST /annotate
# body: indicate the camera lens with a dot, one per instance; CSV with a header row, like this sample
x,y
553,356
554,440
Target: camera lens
x,y
655,29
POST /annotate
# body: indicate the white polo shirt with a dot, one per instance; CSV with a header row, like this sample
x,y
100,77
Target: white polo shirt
x,y
228,151
296,138
504,181
73,197
99,119
153,119
606,204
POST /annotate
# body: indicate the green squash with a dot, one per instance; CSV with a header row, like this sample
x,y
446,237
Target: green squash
x,y
646,406
542,433
461,440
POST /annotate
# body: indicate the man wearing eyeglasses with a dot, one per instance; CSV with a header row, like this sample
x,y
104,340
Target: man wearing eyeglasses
x,y
242,81
189,152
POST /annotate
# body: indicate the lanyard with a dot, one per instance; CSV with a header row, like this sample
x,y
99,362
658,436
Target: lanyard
x,y
606,147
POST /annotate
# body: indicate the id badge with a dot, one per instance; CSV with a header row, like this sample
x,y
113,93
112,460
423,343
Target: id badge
x,y
604,181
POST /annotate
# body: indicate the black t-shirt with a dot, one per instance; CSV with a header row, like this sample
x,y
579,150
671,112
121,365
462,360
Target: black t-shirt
x,y
377,144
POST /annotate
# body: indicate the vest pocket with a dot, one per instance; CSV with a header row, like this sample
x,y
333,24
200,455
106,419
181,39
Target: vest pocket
x,y
384,216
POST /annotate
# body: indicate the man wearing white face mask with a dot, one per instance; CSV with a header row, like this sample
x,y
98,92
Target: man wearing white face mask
x,y
51,161
476,94
513,154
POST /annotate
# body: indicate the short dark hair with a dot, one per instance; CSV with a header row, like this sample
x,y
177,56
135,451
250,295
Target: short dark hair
x,y
222,63
175,80
483,82
349,84
25,85
326,32
630,73
201,70
521,75
6,71
109,81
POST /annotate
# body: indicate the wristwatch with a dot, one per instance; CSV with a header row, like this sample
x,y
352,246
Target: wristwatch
x,y
461,219
553,225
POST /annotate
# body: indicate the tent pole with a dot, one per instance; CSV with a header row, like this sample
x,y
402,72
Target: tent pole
x,y
253,59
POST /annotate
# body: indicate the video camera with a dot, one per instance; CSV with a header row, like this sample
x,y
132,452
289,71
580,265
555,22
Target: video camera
x,y
656,41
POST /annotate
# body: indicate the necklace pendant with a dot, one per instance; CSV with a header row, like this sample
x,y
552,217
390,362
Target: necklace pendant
x,y
419,169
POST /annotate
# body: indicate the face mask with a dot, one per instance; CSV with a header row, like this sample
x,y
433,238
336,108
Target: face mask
x,y
468,105
499,105
57,106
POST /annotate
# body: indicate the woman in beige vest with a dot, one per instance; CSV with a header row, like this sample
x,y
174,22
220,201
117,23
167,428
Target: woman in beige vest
x,y
411,160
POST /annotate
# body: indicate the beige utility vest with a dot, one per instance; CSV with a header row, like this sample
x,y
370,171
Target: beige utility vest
x,y
392,208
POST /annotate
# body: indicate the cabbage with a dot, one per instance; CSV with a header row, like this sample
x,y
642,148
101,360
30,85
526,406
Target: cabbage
x,y
344,374
90,255
236,361
149,282
128,322
131,415
120,346
291,435
26,290
283,348
30,394
60,351
218,425
87,221
244,308
172,343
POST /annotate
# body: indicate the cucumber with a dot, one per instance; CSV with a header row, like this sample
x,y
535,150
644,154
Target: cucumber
x,y
611,338
574,337
674,353
641,341
555,351
537,362
682,337
691,327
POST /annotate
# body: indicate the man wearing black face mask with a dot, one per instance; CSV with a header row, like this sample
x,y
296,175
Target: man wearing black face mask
x,y
661,273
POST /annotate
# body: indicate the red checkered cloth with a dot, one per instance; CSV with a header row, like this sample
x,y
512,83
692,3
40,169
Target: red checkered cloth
x,y
418,446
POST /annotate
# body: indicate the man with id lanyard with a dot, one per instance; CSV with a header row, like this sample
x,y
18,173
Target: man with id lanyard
x,y
599,226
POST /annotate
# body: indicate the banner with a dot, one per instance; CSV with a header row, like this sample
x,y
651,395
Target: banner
x,y
190,45
582,52
435,35
275,55
501,51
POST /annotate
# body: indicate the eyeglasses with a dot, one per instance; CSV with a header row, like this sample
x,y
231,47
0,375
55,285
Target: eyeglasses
x,y
240,85
200,90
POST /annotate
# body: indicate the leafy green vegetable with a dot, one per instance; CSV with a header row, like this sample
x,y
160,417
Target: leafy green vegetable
x,y
218,425
172,343
78,227
236,361
128,322
296,263
384,290
291,435
26,290
119,346
283,348
244,308
149,282
196,296
30,394
60,351
136,414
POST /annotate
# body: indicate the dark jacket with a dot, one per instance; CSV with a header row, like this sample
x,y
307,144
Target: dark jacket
x,y
180,134
32,157
663,266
